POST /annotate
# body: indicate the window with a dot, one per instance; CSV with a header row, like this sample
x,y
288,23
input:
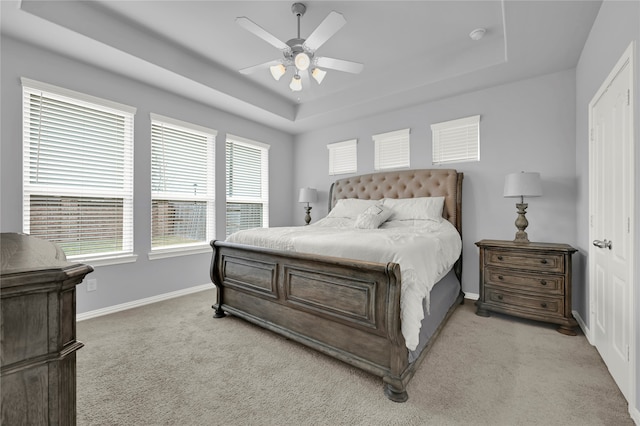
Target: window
x,y
247,184
343,157
456,140
391,150
78,172
182,184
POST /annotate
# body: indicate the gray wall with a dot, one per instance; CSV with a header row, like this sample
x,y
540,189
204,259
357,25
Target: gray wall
x,y
617,25
524,126
123,283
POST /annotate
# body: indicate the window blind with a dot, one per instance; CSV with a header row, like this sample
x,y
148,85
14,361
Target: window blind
x,y
78,171
456,140
392,150
343,157
247,185
182,183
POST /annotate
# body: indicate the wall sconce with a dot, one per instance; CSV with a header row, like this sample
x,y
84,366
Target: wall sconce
x,y
522,185
307,195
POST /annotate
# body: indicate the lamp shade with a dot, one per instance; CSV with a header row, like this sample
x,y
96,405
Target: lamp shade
x,y
307,195
524,184
296,83
277,71
318,74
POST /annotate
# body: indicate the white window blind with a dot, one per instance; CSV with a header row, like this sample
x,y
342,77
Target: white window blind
x,y
182,183
247,184
343,157
78,171
456,140
392,150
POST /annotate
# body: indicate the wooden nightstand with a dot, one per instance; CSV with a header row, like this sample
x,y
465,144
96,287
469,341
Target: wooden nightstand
x,y
528,280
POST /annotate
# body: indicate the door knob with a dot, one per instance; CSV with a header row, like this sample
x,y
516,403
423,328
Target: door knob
x,y
602,244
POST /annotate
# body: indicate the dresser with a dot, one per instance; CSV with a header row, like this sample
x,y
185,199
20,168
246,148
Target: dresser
x,y
528,280
37,332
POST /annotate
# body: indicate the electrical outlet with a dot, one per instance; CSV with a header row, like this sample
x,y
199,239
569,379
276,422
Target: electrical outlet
x,y
92,284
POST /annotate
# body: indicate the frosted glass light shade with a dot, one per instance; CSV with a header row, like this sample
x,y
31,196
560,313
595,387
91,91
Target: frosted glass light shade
x,y
296,83
318,74
277,71
307,195
524,184
302,61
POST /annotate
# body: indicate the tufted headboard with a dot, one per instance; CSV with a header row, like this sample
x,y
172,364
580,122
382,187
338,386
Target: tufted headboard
x,y
405,184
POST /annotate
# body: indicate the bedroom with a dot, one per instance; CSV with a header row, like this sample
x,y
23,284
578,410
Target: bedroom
x,y
522,123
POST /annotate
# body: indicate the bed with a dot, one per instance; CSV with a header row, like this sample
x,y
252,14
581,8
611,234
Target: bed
x,y
346,307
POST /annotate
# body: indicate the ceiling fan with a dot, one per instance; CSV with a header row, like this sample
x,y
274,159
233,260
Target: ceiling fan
x,y
299,53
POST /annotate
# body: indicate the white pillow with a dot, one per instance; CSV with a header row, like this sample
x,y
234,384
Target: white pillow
x,y
421,208
373,217
351,207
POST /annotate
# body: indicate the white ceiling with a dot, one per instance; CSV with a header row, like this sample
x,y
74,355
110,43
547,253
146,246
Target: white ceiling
x,y
412,51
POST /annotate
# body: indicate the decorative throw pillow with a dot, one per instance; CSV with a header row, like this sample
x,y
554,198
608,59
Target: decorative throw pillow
x,y
420,208
373,217
351,207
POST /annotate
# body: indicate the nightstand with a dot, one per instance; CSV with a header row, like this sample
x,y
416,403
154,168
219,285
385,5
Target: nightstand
x,y
528,280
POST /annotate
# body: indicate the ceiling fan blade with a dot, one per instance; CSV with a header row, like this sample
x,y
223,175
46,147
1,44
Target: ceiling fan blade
x,y
251,26
331,24
258,67
340,65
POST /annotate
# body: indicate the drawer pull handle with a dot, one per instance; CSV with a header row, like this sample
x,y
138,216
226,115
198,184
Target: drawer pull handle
x,y
499,257
543,261
499,297
544,305
543,282
500,277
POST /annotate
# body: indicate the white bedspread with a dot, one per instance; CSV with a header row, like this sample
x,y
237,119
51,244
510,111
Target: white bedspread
x,y
425,250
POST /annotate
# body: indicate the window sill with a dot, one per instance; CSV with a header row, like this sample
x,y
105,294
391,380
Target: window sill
x,y
179,251
106,260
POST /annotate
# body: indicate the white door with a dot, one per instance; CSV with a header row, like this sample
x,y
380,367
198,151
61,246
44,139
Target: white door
x,y
611,191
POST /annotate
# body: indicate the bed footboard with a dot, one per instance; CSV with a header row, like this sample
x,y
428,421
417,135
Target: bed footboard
x,y
347,309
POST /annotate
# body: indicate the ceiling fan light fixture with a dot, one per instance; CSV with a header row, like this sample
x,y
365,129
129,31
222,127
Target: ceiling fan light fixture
x,y
302,61
278,71
296,83
318,74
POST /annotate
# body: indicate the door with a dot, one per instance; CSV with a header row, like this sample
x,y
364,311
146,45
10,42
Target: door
x,y
611,190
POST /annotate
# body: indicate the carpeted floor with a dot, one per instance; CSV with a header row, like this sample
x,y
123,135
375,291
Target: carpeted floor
x,y
171,363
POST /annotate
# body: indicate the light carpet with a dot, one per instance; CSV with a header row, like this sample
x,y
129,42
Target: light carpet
x,y
171,363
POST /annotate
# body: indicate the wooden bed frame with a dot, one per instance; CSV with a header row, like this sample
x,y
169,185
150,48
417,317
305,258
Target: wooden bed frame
x,y
347,309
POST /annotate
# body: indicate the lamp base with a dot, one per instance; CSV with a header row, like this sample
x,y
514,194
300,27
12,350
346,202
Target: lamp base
x,y
307,217
521,223
521,237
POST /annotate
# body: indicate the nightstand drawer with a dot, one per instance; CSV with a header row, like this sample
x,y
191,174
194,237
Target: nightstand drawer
x,y
525,260
533,304
544,284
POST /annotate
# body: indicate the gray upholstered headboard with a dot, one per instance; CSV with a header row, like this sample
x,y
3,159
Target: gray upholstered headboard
x,y
405,184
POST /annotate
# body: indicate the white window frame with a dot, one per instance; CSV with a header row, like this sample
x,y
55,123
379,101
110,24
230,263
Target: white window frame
x,y
263,198
207,196
82,188
343,157
456,141
392,150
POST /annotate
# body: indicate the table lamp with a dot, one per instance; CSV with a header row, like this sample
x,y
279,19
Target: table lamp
x,y
523,184
307,195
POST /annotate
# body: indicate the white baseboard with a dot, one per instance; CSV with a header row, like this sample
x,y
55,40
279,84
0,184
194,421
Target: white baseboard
x,y
583,326
134,304
635,414
471,296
